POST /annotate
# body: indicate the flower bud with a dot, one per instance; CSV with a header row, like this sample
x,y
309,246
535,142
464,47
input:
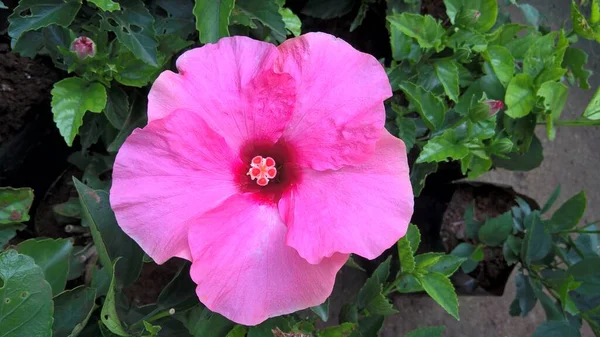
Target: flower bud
x,y
83,46
494,105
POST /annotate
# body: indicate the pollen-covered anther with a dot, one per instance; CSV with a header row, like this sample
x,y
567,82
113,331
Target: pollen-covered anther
x,y
262,169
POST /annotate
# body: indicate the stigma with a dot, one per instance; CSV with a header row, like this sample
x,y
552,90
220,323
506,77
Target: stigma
x,y
262,170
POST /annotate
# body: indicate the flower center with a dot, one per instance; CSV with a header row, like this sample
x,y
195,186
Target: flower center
x,y
262,169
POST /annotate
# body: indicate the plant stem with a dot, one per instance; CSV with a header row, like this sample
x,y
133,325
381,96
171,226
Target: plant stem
x,y
159,316
575,122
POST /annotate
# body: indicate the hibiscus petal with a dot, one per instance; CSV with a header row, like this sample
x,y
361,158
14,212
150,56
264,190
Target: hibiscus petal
x,y
172,170
233,87
362,209
244,270
339,112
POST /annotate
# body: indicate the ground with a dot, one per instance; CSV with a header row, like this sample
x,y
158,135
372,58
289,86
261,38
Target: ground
x,y
571,161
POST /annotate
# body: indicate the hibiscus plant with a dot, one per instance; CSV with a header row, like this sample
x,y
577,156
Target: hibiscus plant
x,y
263,160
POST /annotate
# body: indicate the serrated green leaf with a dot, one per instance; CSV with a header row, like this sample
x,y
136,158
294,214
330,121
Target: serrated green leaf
x,y
134,28
406,253
430,107
292,21
110,241
424,28
537,241
71,99
447,265
212,19
35,14
483,13
501,61
569,214
72,310
575,59
52,255
14,205
443,147
520,96
592,111
26,297
447,72
466,39
106,5
441,290
496,230
267,12
426,332
556,329
425,261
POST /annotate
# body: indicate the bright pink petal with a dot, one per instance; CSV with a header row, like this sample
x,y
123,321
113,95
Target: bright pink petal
x,y
244,269
339,113
233,87
362,209
170,171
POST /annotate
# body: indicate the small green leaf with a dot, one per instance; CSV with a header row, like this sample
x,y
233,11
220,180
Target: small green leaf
x,y
134,28
71,99
537,241
111,242
72,310
592,111
267,12
430,107
441,290
496,230
471,254
237,331
447,73
580,25
342,330
26,297
413,235
424,28
525,296
14,205
406,253
501,61
427,332
447,265
109,315
520,96
418,175
212,19
554,95
425,261
569,214
575,59
483,12
360,16
442,147
35,14
68,209
52,255
322,310
556,329
469,40
106,5
292,22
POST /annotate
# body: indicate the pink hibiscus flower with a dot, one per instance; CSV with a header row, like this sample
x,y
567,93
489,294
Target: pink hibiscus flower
x,y
265,166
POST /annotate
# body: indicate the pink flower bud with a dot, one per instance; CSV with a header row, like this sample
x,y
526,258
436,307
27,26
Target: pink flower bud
x,y
494,105
83,46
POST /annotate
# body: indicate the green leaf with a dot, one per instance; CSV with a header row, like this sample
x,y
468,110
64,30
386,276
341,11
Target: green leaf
x,y
327,9
370,296
551,200
237,331
531,14
502,62
72,310
136,118
554,95
496,230
52,256
341,330
427,332
482,13
29,44
26,297
413,236
360,16
212,19
109,315
543,54
471,255
106,5
430,107
441,290
35,14
14,205
152,329
520,96
267,12
117,107
68,209
134,28
556,329
406,255
424,28
369,326
592,111
525,296
202,322
442,147
575,59
425,261
322,310
569,214
523,162
447,72
447,265
71,99
418,175
469,40
580,25
586,272
537,241
407,131
292,21
7,232
111,242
